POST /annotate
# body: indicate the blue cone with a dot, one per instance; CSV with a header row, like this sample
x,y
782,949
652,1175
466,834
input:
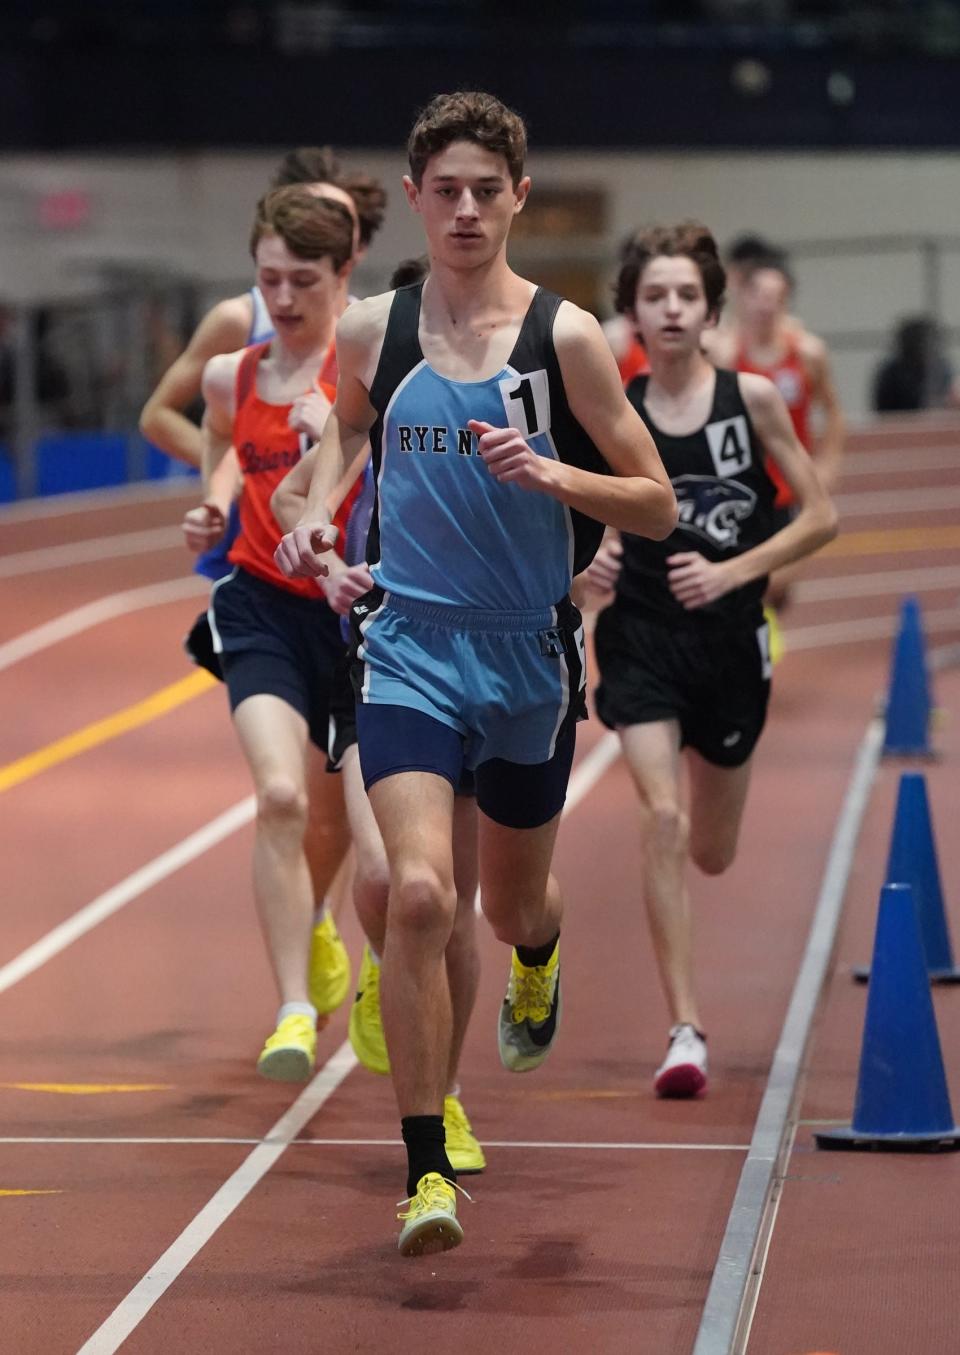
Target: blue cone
x,y
908,699
902,1100
913,860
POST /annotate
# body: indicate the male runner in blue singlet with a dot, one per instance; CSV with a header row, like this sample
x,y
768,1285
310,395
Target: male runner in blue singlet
x,y
494,411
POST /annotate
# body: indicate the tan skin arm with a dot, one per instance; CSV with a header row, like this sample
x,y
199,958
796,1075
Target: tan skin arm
x,y
638,497
222,330
204,525
695,581
344,438
829,451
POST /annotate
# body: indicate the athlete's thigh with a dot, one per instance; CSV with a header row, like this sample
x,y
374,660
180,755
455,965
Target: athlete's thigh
x,y
717,799
652,752
326,790
514,862
363,824
414,812
273,737
465,863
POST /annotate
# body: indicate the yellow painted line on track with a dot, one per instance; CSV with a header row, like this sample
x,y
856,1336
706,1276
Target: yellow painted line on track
x,y
31,1192
87,1088
893,539
101,731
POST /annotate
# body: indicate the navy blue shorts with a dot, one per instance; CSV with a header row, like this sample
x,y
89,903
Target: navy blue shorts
x,y
274,643
343,726
396,739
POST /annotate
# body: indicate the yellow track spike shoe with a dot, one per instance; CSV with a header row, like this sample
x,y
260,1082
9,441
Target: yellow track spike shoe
x,y
328,980
430,1225
289,1053
366,1028
463,1150
530,1013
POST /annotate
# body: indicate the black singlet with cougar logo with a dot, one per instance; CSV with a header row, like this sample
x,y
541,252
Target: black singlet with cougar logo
x,y
725,499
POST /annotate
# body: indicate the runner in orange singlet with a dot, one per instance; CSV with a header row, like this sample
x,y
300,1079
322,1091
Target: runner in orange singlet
x,y
277,639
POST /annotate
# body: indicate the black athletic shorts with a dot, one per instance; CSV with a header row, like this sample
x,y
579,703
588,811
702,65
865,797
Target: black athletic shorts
x,y
271,642
343,726
714,679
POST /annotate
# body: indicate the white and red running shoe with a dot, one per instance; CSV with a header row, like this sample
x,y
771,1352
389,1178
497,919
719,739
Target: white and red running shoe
x,y
683,1072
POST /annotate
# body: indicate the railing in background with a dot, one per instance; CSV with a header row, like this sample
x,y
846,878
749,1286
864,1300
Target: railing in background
x,y
75,372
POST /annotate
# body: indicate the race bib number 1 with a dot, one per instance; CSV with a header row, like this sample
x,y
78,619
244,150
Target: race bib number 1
x,y
526,402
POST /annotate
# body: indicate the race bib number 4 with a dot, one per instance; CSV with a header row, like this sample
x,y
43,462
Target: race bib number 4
x,y
729,444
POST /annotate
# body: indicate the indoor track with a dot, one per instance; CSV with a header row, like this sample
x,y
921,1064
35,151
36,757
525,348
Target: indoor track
x,y
155,1195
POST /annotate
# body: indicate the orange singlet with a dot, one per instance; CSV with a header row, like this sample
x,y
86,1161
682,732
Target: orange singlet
x,y
634,361
789,375
267,448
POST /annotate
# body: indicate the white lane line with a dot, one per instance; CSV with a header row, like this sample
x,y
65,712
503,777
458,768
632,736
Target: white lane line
x,y
909,463
95,613
588,772
94,548
891,502
93,500
867,628
90,916
726,1318
652,1147
131,1311
895,581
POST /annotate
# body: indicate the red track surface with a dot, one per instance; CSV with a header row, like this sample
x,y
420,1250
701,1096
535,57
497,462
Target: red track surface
x,y
599,1218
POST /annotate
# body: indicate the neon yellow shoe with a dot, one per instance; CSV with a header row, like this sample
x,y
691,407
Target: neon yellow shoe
x,y
463,1150
290,1052
366,1028
775,640
530,1013
430,1225
328,981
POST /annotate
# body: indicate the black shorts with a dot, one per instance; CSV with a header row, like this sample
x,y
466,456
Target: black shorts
x,y
274,643
713,679
343,726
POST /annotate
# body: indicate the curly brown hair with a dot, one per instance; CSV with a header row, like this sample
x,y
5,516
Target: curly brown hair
x,y
310,227
370,200
307,164
688,239
468,115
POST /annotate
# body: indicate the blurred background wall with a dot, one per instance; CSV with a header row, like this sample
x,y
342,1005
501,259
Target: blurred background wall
x,y
136,138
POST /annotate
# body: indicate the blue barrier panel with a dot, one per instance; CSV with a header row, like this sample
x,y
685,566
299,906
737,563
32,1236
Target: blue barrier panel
x,y
71,461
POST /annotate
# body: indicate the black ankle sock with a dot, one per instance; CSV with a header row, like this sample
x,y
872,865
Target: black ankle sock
x,y
426,1148
533,956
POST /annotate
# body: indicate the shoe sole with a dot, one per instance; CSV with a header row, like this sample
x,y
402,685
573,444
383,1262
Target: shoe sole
x,y
431,1235
474,1168
681,1083
285,1065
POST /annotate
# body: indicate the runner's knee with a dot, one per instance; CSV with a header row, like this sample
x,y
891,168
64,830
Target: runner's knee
x,y
713,858
667,828
421,902
281,802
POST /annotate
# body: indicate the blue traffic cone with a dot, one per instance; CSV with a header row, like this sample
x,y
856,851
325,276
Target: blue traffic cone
x,y
908,699
902,1100
913,860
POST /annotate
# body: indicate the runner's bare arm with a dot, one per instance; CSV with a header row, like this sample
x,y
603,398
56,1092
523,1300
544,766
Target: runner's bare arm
x,y
816,521
829,451
359,335
222,330
638,497
204,525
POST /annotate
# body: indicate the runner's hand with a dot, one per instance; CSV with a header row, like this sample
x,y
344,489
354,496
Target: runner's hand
x,y
342,590
509,457
203,527
308,414
298,554
695,581
603,571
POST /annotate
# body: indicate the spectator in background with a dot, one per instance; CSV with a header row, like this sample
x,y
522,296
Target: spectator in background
x,y
917,375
